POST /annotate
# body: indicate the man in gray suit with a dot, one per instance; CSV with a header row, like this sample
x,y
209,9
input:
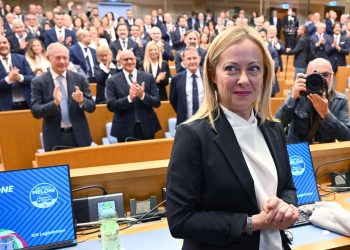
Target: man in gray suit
x,y
61,97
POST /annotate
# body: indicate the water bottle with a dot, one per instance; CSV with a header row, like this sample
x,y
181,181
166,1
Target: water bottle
x,y
109,228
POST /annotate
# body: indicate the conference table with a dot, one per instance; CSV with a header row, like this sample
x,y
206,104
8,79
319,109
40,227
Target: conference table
x,y
156,236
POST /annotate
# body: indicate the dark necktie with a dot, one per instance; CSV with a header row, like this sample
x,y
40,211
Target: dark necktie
x,y
88,65
124,45
195,102
137,119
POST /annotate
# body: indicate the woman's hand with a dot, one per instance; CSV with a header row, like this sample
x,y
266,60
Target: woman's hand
x,y
280,214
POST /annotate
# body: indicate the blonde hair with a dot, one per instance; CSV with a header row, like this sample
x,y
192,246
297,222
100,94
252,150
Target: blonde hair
x,y
147,59
223,41
101,50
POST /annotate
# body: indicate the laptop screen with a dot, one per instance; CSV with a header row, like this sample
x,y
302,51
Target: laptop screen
x,y
36,208
303,173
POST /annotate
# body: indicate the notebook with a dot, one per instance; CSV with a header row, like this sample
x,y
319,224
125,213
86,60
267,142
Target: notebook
x,y
304,176
36,208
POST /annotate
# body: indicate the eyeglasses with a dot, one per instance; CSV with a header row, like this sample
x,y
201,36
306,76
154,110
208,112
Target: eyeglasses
x,y
326,74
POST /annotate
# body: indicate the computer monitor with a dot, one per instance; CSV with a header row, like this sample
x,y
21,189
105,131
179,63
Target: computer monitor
x,y
36,208
303,173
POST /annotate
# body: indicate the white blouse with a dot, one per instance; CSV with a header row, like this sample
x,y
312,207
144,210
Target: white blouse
x,y
261,167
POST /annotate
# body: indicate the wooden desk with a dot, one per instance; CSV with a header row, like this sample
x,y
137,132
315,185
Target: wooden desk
x,y
341,79
339,243
137,180
19,137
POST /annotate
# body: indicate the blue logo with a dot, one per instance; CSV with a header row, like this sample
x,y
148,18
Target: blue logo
x,y
43,195
297,164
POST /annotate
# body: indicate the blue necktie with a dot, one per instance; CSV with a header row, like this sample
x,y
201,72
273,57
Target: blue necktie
x,y
88,65
195,102
64,102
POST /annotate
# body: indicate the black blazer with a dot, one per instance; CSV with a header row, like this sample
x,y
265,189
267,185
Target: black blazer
x,y
300,52
163,95
101,78
337,58
14,43
116,46
124,111
43,106
278,27
20,62
210,191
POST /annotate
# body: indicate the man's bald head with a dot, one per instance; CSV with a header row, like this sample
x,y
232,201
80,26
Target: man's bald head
x,y
322,67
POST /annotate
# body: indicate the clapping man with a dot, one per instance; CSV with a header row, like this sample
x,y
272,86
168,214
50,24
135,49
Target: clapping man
x,y
61,97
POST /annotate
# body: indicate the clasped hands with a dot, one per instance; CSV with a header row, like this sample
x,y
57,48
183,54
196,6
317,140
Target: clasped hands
x,y
276,214
14,75
136,90
77,95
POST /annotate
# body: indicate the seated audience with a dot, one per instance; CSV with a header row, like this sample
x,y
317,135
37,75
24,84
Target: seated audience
x,y
154,64
316,118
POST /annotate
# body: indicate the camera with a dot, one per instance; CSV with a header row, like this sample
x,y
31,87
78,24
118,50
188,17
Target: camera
x,y
315,84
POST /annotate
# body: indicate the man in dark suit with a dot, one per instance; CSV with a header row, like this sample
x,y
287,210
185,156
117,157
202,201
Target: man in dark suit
x,y
33,28
337,48
186,89
192,22
81,54
156,36
130,20
290,26
19,38
124,43
8,20
191,40
59,33
15,79
177,37
275,21
132,95
276,43
330,22
300,51
319,40
61,97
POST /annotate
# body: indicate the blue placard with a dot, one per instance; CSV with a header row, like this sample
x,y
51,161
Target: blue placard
x,y
36,206
303,173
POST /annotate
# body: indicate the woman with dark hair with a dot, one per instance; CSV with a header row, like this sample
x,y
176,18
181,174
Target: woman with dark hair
x,y
8,8
36,57
212,31
121,20
78,23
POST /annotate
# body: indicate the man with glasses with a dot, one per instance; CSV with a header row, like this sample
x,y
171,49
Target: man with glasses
x,y
315,118
132,95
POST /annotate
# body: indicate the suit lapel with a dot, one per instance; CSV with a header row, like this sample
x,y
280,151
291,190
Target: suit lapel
x,y
228,144
50,84
70,88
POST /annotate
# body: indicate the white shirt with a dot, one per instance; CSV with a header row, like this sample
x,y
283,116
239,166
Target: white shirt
x,y
154,67
124,47
58,33
134,76
261,167
337,38
64,83
17,95
189,88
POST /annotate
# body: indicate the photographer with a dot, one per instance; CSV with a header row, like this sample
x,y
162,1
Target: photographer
x,y
317,118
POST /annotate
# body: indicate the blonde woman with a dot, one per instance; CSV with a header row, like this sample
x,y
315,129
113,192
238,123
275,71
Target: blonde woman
x,y
229,183
154,64
104,70
36,57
